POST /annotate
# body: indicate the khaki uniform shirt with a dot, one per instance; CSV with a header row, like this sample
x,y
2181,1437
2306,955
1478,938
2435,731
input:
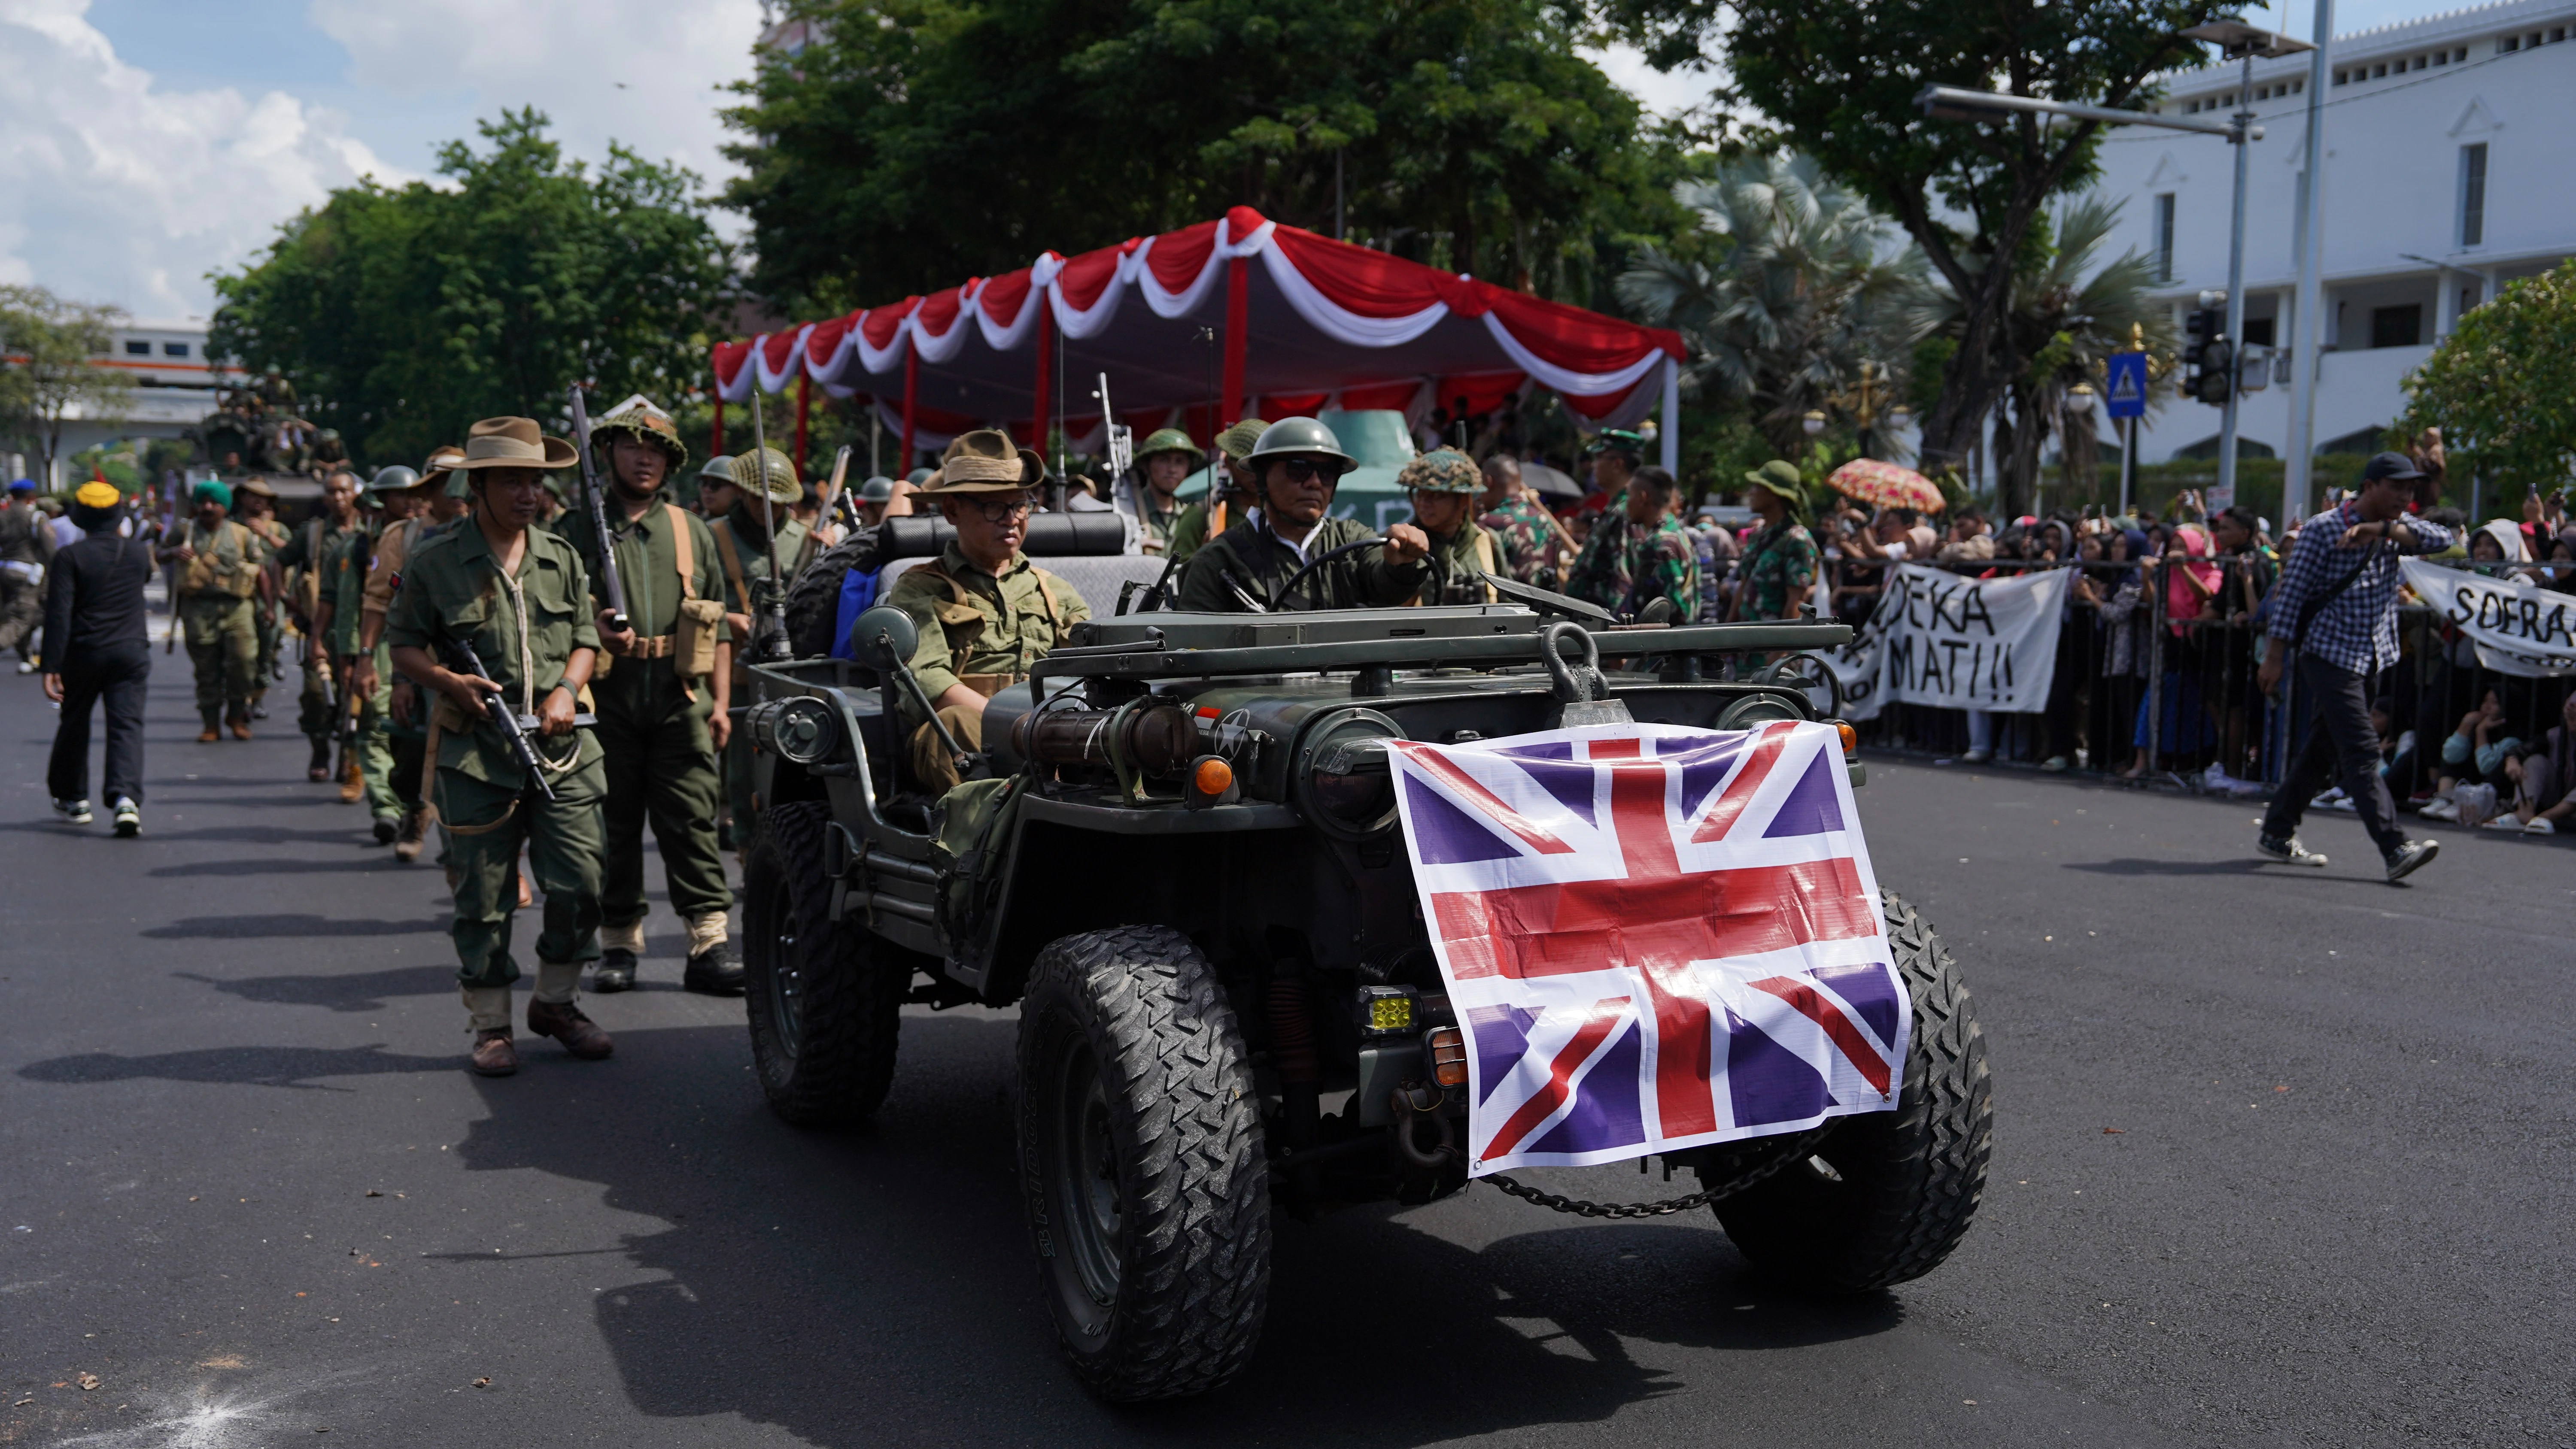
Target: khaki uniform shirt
x,y
227,564
525,635
981,631
1455,563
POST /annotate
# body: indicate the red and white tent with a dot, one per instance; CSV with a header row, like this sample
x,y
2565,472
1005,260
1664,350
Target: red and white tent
x,y
1230,318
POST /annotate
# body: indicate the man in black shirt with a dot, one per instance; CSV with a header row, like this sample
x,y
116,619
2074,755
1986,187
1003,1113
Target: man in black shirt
x,y
95,648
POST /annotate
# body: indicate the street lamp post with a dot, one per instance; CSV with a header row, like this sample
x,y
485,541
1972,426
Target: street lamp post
x,y
1867,402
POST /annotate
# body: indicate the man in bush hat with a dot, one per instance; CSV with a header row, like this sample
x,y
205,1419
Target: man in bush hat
x,y
219,575
1229,489
1163,461
662,696
1442,485
984,612
1298,463
1778,570
519,597
762,488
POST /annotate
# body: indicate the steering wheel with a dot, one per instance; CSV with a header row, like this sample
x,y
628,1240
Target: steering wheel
x,y
1279,600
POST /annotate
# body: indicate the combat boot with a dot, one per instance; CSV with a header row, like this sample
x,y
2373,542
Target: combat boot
x,y
239,718
494,1054
353,786
714,971
318,769
564,1021
388,829
408,839
214,729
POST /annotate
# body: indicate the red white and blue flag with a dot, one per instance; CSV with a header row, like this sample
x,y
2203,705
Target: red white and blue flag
x,y
1656,937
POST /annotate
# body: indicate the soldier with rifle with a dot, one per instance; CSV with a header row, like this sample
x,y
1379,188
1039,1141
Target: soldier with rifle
x,y
255,506
307,560
492,619
663,691
219,574
357,639
440,500
756,542
1288,554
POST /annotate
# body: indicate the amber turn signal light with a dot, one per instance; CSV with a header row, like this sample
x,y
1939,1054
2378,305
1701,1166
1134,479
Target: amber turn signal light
x,y
1446,1051
1212,777
1851,737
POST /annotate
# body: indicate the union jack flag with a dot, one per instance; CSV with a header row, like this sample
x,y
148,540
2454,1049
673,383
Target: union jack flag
x,y
1657,937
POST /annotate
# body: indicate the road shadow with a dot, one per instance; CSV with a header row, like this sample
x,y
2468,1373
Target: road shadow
x,y
2133,867
353,991
877,1287
248,928
250,1066
227,869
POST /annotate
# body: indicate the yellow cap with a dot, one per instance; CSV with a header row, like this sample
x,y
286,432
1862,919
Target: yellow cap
x,y
95,494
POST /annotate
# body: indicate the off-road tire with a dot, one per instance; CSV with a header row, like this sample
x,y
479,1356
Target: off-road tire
x,y
1911,1179
1172,1136
814,596
841,990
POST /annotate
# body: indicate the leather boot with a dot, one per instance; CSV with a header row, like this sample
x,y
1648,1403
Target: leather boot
x,y
353,786
526,898
616,971
318,769
388,829
214,729
494,1054
563,1021
408,836
714,971
239,718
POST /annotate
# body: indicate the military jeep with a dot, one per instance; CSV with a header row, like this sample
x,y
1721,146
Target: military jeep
x,y
1180,855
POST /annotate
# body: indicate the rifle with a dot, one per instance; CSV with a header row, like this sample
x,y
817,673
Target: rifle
x,y
459,656
596,501
833,498
774,645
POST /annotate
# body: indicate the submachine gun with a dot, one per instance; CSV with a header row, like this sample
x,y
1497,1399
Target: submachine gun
x,y
517,730
596,501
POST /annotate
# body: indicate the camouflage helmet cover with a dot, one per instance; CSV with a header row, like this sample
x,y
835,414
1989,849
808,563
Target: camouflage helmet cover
x,y
1442,470
638,418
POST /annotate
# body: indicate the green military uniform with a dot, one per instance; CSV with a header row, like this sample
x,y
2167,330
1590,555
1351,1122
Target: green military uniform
x,y
312,555
1189,532
1781,557
273,536
1625,565
525,630
1154,522
653,724
1524,532
981,631
216,590
742,553
1261,561
1460,558
384,794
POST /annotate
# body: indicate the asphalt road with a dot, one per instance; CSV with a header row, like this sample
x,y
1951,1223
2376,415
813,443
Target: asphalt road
x,y
2280,1158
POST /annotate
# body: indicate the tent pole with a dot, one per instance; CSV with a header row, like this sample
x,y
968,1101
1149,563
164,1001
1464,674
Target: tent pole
x,y
1237,321
1672,427
911,389
1038,417
715,444
804,405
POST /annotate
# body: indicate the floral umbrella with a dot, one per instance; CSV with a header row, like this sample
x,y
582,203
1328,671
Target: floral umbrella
x,y
1886,486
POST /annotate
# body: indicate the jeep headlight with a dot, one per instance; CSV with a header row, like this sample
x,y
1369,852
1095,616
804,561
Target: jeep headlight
x,y
1345,783
799,728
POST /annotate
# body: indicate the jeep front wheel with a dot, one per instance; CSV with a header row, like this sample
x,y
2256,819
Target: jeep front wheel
x,y
1141,1163
1885,1196
825,1000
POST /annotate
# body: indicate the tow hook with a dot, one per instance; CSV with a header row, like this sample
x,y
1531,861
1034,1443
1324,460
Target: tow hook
x,y
1402,1103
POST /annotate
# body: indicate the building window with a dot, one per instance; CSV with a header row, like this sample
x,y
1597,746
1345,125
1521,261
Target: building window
x,y
2341,76
2258,331
2473,195
2164,236
2397,326
2557,33
2461,54
174,349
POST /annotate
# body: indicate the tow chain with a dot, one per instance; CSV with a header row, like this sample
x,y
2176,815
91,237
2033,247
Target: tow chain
x,y
1797,1150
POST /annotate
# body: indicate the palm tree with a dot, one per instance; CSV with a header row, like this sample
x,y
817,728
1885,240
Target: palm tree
x,y
2069,312
1807,284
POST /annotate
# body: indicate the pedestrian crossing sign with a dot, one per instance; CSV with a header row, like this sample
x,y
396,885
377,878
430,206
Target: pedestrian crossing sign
x,y
2126,395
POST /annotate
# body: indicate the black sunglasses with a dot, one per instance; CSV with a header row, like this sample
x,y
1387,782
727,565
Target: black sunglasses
x,y
1307,470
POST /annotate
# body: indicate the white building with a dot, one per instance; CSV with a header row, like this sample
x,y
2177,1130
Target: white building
x,y
174,389
2440,187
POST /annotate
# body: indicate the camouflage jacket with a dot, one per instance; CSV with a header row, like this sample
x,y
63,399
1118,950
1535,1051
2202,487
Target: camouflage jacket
x,y
1522,530
1624,567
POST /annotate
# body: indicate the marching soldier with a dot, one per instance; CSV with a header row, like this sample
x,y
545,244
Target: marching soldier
x,y
1229,488
985,614
255,506
1443,485
1298,463
663,693
761,488
309,555
439,499
357,636
519,597
26,545
219,576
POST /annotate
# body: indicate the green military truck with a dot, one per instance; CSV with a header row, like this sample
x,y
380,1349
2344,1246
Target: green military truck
x,y
1181,857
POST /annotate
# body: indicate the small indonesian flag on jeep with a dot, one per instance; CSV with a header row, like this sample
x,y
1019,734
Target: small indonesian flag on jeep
x,y
1656,937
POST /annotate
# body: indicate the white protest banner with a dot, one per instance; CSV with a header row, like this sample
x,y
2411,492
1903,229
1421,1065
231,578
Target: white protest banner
x,y
2519,629
1959,643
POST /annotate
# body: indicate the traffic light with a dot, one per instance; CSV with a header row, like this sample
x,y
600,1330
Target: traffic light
x,y
2209,358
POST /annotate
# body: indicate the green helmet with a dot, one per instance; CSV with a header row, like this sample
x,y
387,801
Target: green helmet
x,y
1442,470
879,489
1167,440
1299,437
393,479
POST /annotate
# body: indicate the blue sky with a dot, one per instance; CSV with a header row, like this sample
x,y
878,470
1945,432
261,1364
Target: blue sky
x,y
152,141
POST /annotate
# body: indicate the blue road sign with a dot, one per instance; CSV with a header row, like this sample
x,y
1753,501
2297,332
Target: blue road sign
x,y
2127,396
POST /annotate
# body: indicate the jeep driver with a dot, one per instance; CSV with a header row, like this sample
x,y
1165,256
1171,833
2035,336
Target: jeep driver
x,y
1286,552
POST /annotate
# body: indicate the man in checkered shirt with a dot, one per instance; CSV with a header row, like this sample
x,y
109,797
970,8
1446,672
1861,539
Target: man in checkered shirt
x,y
2336,604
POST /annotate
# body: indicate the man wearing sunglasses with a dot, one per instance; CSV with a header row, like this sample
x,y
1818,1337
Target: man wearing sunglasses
x,y
1297,464
984,612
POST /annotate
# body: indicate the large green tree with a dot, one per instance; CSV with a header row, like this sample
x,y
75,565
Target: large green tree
x,y
404,314
49,347
921,142
1838,79
2502,387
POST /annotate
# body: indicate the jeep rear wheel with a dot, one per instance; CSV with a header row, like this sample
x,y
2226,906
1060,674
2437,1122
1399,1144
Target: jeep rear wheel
x,y
1142,1165
825,1000
1885,1196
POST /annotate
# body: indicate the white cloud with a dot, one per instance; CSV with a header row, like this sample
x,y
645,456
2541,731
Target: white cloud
x,y
643,72
117,191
